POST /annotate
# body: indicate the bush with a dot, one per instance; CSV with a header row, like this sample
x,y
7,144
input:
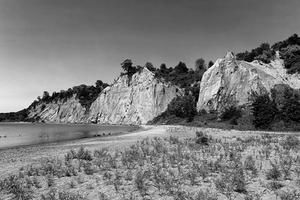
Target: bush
x,y
264,111
231,113
274,173
201,138
183,107
82,154
18,186
291,108
291,142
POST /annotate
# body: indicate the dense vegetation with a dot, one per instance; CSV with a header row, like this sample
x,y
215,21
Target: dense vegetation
x,y
182,76
86,94
183,107
283,105
14,116
289,51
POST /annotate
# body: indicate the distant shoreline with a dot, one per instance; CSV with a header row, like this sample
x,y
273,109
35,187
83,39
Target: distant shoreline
x,y
13,139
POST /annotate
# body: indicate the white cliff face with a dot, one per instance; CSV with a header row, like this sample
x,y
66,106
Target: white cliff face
x,y
230,82
69,111
134,101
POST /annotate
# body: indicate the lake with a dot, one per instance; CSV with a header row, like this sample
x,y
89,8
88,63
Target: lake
x,y
19,134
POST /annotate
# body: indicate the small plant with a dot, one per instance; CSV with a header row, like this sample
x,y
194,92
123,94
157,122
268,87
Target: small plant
x,y
69,196
205,195
50,180
82,154
291,142
274,173
275,185
88,168
201,138
73,183
249,164
286,165
18,187
238,181
291,195
140,182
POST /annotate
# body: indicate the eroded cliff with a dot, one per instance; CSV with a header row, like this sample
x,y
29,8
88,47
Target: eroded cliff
x,y
61,111
134,100
230,82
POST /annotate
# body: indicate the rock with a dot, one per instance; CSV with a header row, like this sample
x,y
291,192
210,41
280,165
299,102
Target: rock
x,y
133,101
230,82
69,111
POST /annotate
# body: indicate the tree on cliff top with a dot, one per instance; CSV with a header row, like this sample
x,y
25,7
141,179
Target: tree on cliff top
x,y
200,64
128,67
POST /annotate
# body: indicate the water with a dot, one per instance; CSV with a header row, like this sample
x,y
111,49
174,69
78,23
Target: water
x,y
19,134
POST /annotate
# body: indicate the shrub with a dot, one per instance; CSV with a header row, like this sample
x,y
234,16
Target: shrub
x,y
274,173
201,138
231,113
291,141
205,195
249,164
82,154
264,111
19,187
69,196
291,108
239,181
183,107
140,182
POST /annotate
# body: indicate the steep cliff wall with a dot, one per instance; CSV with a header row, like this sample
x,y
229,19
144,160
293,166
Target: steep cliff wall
x,y
230,82
134,100
69,111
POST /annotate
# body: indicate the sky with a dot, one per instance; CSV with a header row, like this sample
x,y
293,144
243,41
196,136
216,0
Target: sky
x,y
50,45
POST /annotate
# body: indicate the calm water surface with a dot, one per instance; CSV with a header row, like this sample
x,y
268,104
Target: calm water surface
x,y
18,134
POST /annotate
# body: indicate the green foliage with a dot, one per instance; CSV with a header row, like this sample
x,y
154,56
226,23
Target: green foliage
x,y
183,107
81,154
20,187
231,113
263,53
210,64
200,64
86,95
274,173
201,138
291,142
264,111
289,50
291,107
21,115
128,68
183,77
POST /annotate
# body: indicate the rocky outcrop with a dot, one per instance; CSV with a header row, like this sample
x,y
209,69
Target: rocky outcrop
x,y
230,82
134,100
62,111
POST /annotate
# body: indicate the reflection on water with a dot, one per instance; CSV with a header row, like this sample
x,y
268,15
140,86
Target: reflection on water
x,y
16,134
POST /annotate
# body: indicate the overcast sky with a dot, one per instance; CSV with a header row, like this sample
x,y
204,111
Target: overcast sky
x,y
56,44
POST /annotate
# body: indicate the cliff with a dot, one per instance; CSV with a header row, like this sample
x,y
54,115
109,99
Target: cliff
x,y
134,100
230,82
62,111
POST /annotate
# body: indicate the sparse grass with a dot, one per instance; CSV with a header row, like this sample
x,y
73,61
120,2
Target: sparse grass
x,y
200,167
